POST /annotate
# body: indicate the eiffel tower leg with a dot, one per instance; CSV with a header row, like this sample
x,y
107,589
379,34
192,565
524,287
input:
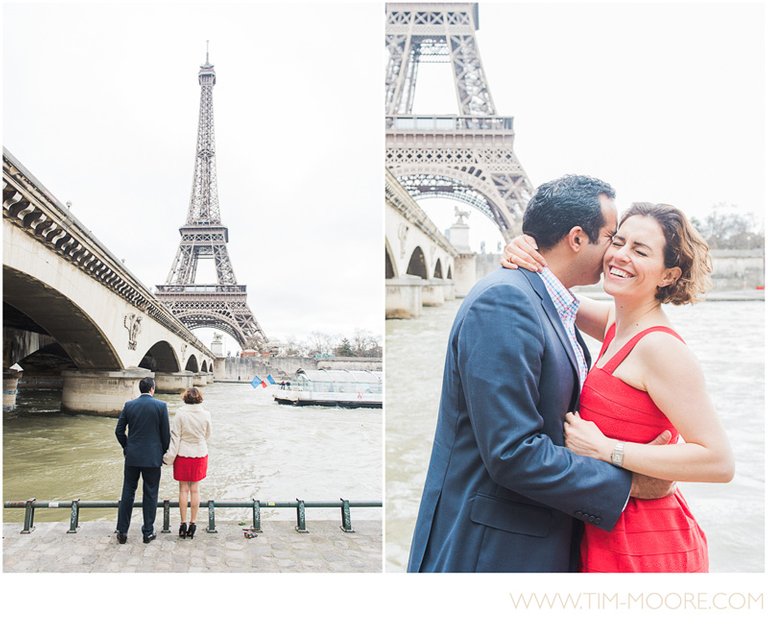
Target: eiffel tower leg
x,y
471,88
399,50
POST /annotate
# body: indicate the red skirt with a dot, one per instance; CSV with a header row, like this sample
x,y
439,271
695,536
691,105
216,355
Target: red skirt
x,y
190,468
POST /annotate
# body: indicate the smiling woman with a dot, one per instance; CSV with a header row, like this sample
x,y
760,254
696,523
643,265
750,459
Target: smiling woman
x,y
686,264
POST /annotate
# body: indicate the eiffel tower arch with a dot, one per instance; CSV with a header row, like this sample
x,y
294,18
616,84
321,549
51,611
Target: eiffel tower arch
x,y
468,157
223,305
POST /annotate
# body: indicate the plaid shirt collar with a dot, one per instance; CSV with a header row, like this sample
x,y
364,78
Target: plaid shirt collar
x,y
566,303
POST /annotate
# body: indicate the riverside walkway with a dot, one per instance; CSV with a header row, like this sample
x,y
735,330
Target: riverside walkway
x,y
279,548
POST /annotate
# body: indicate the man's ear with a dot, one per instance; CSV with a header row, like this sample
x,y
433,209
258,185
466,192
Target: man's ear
x,y
576,238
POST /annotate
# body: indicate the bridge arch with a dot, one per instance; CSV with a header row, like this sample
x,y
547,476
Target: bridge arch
x,y
204,367
192,364
417,265
161,358
438,272
450,272
390,266
79,336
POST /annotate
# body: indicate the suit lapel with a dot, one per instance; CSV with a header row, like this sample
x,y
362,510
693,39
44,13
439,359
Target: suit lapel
x,y
554,318
584,348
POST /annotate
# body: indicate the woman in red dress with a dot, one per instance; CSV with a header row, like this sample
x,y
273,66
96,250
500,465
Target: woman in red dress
x,y
645,381
188,452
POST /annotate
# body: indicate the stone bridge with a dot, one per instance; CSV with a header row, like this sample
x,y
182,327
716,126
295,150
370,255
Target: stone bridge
x,y
423,267
74,316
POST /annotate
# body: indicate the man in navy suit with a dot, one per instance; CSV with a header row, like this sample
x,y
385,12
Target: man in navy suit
x,y
148,438
502,493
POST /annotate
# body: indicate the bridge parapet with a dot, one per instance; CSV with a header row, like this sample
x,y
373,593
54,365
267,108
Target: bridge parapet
x,y
28,205
397,197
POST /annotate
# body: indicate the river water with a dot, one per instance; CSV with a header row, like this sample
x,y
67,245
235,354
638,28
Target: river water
x,y
728,339
258,449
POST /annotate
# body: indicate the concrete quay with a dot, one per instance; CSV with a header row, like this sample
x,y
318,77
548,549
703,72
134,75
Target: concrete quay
x,y
279,548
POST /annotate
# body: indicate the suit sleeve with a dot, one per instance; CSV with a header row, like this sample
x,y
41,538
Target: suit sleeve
x,y
173,448
165,428
122,422
500,348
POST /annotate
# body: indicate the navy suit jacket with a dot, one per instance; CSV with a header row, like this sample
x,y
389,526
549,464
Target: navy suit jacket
x,y
502,493
149,431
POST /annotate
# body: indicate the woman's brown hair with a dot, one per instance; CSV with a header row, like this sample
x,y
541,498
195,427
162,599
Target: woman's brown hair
x,y
192,396
684,248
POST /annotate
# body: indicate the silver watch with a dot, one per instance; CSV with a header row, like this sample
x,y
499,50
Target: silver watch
x,y
617,456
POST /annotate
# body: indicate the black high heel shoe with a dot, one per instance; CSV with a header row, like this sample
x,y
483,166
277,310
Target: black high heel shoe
x,y
191,530
183,530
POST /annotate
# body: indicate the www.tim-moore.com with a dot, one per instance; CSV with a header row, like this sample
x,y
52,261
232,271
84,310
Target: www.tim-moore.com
x,y
704,601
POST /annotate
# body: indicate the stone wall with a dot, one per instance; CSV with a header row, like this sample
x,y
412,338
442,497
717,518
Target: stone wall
x,y
244,369
738,269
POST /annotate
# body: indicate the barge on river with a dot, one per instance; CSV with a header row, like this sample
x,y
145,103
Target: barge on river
x,y
342,388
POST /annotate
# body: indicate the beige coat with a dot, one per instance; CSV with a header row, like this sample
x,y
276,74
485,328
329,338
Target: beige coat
x,y
190,429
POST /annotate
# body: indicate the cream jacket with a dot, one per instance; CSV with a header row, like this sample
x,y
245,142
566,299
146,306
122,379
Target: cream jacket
x,y
190,428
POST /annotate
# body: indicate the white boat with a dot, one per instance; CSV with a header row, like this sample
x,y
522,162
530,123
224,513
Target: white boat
x,y
343,388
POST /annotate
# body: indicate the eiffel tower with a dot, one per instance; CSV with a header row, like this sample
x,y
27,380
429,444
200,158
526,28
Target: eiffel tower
x,y
468,157
222,305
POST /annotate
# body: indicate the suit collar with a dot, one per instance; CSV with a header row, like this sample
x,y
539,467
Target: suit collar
x,y
554,318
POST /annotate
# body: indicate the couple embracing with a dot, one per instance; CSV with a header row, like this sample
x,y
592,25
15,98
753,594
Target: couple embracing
x,y
541,464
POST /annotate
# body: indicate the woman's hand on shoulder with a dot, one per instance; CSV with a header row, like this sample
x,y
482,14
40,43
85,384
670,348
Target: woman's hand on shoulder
x,y
522,252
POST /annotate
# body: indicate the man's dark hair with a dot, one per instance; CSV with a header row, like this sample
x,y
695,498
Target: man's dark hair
x,y
562,204
146,384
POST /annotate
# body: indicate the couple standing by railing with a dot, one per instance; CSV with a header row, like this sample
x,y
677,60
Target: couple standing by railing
x,y
152,441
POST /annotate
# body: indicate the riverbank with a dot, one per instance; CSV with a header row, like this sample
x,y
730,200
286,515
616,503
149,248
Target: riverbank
x,y
279,548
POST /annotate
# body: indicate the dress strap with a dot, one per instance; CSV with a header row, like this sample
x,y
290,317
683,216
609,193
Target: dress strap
x,y
607,340
617,359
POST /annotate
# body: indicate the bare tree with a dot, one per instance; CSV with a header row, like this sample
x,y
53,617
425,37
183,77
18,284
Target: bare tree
x,y
730,230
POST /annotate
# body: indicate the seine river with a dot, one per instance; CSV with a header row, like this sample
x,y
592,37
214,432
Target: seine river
x,y
728,339
258,449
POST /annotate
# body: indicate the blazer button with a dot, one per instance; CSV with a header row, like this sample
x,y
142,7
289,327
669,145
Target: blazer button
x,y
597,520
579,514
591,518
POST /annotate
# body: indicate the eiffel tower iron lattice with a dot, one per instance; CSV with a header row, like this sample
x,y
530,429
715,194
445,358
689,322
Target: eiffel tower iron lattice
x,y
468,157
222,305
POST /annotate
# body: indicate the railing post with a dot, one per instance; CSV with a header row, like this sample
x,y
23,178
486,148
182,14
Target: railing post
x,y
346,517
29,516
256,516
166,516
211,518
301,525
74,516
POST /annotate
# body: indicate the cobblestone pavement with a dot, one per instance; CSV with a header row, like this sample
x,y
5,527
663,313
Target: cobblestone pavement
x,y
279,548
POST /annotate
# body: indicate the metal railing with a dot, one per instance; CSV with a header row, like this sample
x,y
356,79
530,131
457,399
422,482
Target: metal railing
x,y
254,505
447,123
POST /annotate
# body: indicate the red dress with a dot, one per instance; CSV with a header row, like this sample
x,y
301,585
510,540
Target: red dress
x,y
190,468
651,535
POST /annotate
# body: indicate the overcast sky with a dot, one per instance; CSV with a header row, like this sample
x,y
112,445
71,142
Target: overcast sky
x,y
101,104
664,101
